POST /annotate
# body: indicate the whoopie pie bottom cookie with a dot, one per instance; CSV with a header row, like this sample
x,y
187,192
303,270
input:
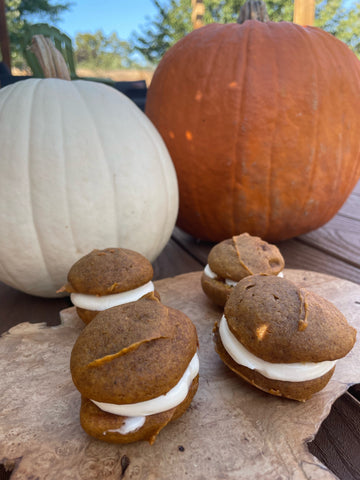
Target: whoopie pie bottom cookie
x,y
300,391
109,427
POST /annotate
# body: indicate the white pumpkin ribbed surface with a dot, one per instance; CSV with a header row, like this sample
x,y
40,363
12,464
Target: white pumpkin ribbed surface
x,y
81,167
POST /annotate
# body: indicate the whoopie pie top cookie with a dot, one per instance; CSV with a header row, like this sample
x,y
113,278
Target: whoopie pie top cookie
x,y
238,257
282,338
109,277
133,362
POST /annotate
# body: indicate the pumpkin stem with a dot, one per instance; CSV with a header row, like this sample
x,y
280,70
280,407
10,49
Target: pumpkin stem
x,y
51,61
253,10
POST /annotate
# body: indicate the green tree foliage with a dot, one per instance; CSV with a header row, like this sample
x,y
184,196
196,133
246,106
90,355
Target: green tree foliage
x,y
226,11
341,19
22,12
100,51
91,50
173,21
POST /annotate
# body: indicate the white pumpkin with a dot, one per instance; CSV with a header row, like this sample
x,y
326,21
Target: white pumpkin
x,y
81,167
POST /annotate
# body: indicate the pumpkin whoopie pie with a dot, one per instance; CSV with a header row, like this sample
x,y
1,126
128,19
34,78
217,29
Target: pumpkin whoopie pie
x,y
235,258
105,278
280,338
136,367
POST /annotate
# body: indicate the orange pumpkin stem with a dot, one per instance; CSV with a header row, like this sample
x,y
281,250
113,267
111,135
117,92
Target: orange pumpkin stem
x,y
253,10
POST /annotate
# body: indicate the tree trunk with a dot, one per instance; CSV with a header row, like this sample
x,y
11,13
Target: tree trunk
x,y
4,36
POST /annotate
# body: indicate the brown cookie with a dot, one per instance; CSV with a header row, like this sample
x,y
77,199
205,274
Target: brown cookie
x,y
103,425
237,258
282,324
129,354
107,272
86,315
300,391
216,289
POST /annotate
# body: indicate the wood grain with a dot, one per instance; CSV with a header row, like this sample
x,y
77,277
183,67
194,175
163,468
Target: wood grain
x,y
300,255
197,248
16,305
174,260
356,190
340,237
343,422
351,208
231,430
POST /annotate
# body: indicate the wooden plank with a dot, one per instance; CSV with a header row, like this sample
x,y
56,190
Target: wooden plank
x,y
340,238
174,260
351,207
197,14
356,190
4,474
196,248
300,255
304,12
16,305
355,391
337,441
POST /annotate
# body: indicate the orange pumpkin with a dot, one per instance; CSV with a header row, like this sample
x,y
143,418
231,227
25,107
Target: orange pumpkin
x,y
262,122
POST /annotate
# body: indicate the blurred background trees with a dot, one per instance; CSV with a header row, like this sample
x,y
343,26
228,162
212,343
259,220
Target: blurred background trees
x,y
99,51
22,12
92,50
172,20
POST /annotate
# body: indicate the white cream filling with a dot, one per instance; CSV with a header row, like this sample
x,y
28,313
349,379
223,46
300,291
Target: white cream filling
x,y
131,424
103,302
171,399
290,372
209,273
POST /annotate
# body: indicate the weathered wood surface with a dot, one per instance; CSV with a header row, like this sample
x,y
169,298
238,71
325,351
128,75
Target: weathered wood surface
x,y
231,430
342,423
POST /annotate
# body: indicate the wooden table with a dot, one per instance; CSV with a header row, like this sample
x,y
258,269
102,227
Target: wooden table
x,y
333,249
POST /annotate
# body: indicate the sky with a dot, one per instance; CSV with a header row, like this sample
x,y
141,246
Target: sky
x,y
120,16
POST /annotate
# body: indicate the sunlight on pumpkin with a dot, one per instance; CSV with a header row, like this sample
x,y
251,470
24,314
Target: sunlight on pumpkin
x,y
198,96
261,331
188,135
